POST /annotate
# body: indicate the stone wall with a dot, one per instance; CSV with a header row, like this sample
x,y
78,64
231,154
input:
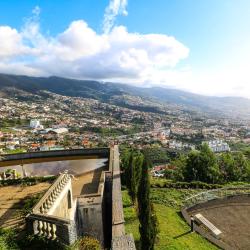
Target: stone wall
x,y
89,217
30,157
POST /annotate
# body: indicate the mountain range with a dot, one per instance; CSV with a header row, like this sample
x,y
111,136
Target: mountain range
x,y
125,95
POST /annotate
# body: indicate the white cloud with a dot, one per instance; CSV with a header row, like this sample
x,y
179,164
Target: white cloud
x,y
79,52
115,55
115,8
11,43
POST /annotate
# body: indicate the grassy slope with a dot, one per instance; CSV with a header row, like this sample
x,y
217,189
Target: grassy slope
x,y
172,226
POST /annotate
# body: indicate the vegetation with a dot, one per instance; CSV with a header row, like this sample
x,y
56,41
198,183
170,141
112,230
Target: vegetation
x,y
28,181
86,243
163,183
11,239
148,222
30,202
15,151
7,241
135,168
205,166
174,233
5,123
157,154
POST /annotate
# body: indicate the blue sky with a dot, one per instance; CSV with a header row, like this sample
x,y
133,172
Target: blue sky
x,y
209,54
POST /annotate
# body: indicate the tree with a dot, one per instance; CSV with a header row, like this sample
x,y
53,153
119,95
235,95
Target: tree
x,y
148,222
180,165
241,167
135,175
227,167
202,166
234,167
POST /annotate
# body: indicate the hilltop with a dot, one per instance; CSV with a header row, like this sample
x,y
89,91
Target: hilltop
x,y
148,99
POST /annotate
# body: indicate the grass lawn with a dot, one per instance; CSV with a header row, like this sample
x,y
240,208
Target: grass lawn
x,y
174,232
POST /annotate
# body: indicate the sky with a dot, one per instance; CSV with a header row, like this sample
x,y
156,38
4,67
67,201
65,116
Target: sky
x,y
198,46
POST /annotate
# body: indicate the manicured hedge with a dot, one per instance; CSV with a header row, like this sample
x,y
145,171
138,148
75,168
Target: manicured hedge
x,y
27,181
183,185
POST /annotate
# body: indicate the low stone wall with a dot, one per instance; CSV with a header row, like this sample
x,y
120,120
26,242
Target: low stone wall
x,y
30,157
120,241
52,227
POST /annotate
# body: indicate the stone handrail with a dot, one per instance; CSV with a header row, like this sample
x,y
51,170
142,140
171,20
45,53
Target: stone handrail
x,y
216,194
120,241
51,227
51,195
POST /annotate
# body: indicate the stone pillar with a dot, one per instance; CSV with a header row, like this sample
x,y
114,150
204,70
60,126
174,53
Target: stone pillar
x,y
67,233
30,225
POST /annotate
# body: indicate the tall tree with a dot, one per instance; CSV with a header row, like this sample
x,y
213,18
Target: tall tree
x,y
135,175
148,225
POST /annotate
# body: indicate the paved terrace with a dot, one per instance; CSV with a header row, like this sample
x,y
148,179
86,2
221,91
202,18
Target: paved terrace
x,y
87,183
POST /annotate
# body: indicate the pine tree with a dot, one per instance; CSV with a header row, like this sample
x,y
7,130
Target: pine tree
x,y
147,217
135,175
128,170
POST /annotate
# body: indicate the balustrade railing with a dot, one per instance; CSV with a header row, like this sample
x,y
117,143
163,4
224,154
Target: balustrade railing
x,y
41,223
50,227
216,194
52,194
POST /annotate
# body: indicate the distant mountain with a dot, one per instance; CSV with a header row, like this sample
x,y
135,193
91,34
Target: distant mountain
x,y
117,93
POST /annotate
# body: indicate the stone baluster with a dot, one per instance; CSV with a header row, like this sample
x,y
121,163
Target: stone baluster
x,y
47,204
50,200
60,186
53,195
41,209
45,207
49,230
45,227
40,227
56,190
53,231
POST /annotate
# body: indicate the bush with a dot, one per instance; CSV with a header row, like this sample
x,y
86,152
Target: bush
x,y
186,185
31,242
7,239
88,243
29,181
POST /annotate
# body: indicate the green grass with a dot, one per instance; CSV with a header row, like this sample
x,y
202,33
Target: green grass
x,y
131,220
174,231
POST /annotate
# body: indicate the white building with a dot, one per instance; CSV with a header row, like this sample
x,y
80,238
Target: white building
x,y
35,124
218,146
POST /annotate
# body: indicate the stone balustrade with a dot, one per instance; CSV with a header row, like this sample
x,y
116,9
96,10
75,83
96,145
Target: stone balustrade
x,y
52,227
51,195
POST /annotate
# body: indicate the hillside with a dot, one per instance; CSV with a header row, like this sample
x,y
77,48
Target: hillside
x,y
122,94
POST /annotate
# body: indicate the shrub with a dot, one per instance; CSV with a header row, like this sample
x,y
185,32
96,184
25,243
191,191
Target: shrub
x,y
186,185
88,243
7,239
29,181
